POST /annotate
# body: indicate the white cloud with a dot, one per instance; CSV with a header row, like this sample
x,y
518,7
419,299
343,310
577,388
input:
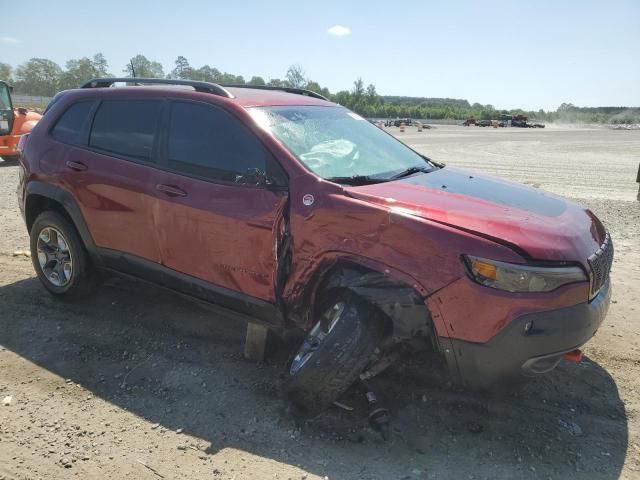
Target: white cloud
x,y
10,40
339,31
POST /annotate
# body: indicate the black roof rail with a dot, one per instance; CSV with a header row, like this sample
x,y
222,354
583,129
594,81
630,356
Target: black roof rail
x,y
297,91
198,86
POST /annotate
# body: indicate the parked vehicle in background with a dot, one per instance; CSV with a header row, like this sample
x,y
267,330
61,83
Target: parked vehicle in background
x,y
469,121
484,123
523,122
406,121
289,210
13,123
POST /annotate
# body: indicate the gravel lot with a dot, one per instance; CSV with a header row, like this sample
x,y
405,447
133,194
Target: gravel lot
x,y
139,383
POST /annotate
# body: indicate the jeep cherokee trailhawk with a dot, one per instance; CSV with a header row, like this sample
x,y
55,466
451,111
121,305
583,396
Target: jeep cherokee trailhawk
x,y
294,212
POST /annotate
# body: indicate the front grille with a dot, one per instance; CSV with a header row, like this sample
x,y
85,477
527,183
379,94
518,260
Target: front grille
x,y
600,263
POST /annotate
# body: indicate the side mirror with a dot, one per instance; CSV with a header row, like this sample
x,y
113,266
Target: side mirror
x,y
256,177
253,176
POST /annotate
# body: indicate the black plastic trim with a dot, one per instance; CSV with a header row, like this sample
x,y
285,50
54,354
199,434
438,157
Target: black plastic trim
x,y
231,300
528,342
400,302
64,198
198,86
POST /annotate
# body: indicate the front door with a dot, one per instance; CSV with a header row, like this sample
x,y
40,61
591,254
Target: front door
x,y
216,219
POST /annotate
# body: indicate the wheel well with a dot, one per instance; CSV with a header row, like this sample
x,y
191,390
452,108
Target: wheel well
x,y
401,304
36,204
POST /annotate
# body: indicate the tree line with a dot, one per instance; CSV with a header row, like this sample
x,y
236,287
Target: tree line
x,y
43,77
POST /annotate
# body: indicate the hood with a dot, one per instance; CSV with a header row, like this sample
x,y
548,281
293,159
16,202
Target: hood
x,y
536,224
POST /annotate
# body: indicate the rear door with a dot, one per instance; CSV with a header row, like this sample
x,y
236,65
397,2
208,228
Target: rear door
x,y
214,222
110,168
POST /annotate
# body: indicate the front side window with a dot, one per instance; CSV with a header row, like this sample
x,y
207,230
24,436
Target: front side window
x,y
126,128
339,145
208,142
68,128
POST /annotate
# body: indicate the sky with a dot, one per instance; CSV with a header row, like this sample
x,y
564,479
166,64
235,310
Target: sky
x,y
535,54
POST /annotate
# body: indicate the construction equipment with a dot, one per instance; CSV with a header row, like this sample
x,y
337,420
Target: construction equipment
x,y
13,123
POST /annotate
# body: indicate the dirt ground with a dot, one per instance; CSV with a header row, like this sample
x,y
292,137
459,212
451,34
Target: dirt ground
x,y
140,383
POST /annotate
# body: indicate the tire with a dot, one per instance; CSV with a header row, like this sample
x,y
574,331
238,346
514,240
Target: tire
x,y
312,385
75,276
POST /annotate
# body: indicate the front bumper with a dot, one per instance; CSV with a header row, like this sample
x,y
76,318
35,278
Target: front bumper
x,y
531,344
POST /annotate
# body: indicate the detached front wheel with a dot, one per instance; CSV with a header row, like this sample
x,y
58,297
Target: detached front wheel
x,y
334,353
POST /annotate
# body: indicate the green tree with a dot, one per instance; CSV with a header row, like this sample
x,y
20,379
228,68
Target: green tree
x,y
38,76
295,77
358,89
79,71
231,79
372,95
144,68
207,74
313,86
316,87
5,72
182,69
343,98
257,81
276,82
100,64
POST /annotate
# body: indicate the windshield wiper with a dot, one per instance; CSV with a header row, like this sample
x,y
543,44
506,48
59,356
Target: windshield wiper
x,y
411,171
357,180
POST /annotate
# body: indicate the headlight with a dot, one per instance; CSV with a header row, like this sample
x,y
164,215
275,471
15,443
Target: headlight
x,y
521,278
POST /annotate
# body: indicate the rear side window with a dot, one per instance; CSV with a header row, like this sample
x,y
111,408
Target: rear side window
x,y
69,127
126,128
208,142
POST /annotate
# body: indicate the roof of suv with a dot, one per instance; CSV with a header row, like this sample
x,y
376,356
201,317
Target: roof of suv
x,y
243,95
253,97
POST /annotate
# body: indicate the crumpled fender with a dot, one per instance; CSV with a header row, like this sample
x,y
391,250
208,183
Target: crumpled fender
x,y
398,295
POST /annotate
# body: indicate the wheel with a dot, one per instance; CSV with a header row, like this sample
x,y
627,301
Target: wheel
x,y
329,362
60,258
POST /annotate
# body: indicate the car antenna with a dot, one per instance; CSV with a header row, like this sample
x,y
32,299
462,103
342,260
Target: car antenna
x,y
133,72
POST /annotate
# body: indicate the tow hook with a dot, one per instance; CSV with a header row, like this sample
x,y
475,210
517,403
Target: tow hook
x,y
573,356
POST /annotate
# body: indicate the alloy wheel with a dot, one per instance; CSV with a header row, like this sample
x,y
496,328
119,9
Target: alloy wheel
x,y
316,336
54,256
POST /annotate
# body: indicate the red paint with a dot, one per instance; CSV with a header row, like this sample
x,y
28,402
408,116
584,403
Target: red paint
x,y
574,356
227,235
219,233
475,313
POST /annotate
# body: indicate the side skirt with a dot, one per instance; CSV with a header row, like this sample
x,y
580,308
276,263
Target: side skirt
x,y
227,301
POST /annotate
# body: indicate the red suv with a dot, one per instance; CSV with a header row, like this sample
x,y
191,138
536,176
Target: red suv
x,y
292,211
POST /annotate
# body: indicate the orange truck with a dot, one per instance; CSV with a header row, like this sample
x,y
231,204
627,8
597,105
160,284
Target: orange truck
x,y
13,123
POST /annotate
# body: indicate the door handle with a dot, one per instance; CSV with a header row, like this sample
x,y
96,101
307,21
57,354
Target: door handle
x,y
76,166
170,190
